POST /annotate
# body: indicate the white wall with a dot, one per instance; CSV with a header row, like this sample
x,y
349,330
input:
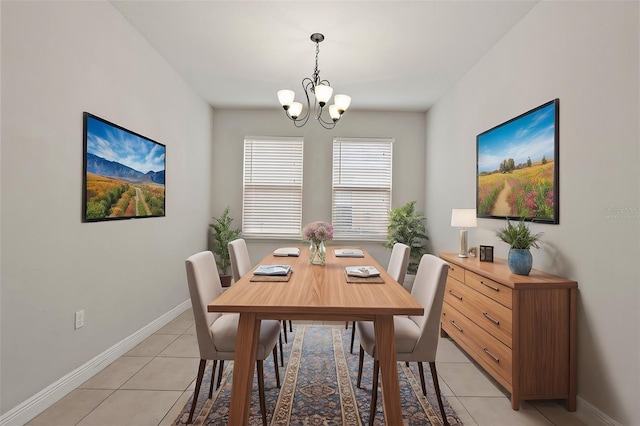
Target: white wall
x,y
58,60
231,126
585,54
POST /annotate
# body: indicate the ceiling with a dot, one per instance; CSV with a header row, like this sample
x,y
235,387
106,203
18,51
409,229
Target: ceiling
x,y
387,55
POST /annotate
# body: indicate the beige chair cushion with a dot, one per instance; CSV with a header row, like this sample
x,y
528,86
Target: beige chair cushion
x,y
224,331
406,330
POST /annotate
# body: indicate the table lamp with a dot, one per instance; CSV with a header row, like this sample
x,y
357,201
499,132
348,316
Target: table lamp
x,y
463,218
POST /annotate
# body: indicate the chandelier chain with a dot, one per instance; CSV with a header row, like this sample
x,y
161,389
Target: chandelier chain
x,y
316,73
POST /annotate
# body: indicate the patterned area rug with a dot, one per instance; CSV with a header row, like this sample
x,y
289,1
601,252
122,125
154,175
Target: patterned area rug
x,y
319,387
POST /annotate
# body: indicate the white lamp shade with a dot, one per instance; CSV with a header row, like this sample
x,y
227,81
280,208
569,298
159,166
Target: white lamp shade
x,y
295,109
334,113
343,102
463,218
286,97
323,93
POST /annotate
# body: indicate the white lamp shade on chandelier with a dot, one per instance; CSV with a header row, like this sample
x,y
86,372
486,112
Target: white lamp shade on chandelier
x,y
323,94
321,90
286,97
463,218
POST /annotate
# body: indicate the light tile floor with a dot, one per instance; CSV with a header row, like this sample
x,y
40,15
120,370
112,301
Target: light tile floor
x,y
150,384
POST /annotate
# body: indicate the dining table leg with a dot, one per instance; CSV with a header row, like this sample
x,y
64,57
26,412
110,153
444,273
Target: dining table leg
x,y
386,348
244,367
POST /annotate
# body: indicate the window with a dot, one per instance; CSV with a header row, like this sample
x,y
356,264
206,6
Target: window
x,y
361,188
272,187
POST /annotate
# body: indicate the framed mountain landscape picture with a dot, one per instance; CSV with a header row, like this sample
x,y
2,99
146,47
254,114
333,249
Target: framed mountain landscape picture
x,y
517,167
124,173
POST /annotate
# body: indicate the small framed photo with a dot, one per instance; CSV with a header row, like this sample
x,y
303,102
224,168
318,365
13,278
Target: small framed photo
x,y
486,253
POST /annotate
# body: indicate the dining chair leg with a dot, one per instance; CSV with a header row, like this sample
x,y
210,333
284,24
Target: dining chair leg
x,y
346,325
360,360
263,405
421,369
203,364
220,373
291,326
275,366
353,334
213,373
434,376
374,392
281,351
284,329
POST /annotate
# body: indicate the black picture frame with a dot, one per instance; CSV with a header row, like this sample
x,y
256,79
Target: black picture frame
x,y
123,173
486,253
517,167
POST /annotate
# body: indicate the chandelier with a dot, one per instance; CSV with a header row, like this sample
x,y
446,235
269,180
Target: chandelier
x,y
322,91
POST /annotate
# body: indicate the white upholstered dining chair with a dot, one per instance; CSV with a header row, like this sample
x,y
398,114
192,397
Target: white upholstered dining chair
x,y
240,260
416,336
216,333
240,265
398,263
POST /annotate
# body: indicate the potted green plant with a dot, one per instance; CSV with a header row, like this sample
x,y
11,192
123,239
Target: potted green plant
x,y
406,226
223,234
521,239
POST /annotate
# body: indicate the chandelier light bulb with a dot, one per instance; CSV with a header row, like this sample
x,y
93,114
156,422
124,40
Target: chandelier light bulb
x,y
342,102
295,109
334,113
286,97
323,93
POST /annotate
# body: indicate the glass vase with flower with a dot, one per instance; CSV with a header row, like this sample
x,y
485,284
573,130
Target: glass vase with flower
x,y
317,233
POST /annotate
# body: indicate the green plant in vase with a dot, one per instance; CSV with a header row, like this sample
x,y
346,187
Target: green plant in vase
x,y
223,234
406,226
521,239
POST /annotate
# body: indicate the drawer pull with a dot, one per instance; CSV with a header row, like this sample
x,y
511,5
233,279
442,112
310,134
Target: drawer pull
x,y
490,286
453,323
455,295
490,318
495,358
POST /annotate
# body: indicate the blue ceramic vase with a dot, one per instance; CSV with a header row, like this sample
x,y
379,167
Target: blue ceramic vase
x,y
520,261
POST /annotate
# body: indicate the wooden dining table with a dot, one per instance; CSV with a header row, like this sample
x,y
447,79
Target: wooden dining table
x,y
315,292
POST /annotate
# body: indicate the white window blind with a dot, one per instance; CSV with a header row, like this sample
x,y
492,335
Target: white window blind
x,y
361,191
272,187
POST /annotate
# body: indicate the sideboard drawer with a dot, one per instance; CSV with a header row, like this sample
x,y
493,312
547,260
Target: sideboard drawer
x,y
498,292
456,272
488,314
486,349
453,323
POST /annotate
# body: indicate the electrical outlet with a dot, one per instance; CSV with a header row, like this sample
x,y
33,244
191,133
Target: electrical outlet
x,y
79,319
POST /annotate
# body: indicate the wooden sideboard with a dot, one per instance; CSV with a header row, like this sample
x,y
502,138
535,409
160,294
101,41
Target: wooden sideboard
x,y
520,329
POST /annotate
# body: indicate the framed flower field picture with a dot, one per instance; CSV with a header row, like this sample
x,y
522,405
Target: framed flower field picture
x,y
517,167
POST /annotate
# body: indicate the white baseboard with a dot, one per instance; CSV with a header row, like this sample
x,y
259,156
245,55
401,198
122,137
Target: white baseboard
x,y
592,415
39,402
